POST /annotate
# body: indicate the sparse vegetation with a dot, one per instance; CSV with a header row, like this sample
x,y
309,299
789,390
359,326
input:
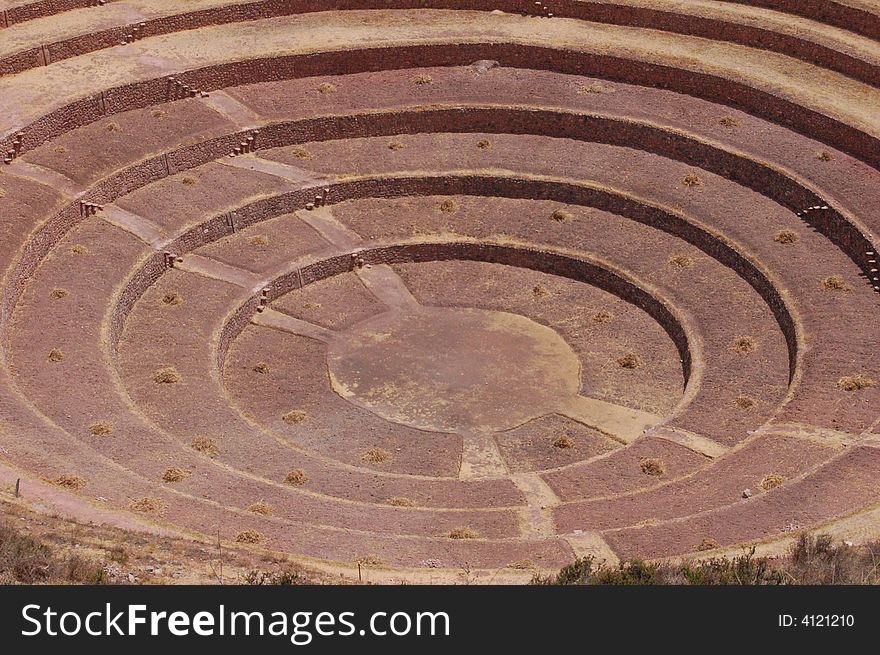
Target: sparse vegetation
x,y
729,121
248,537
745,402
692,180
744,345
301,152
629,361
400,501
563,443
326,87
259,240
147,505
114,127
562,216
26,560
60,293
168,375
786,237
771,481
421,79
602,316
369,560
855,382
262,368
205,446
707,544
295,416
101,428
396,145
70,481
539,291
157,113
835,283
55,356
463,533
171,299
175,475
376,455
652,466
680,261
825,156
78,249
596,88
296,477
447,206
264,509
484,144
275,579
188,180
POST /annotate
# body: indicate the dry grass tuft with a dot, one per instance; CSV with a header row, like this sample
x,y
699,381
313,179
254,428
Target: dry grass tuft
x,y
114,127
61,150
296,477
205,446
396,145
78,249
400,501
522,565
2,193
70,481
448,206
248,537
369,560
326,87
835,283
729,121
652,466
680,261
55,356
60,293
561,216
563,442
189,180
484,144
172,298
855,382
708,544
147,505
744,345
175,475
259,240
824,156
376,455
692,180
540,291
262,367
596,88
602,316
158,113
744,402
301,153
771,481
629,360
168,375
294,417
101,428
421,80
264,509
786,237
463,533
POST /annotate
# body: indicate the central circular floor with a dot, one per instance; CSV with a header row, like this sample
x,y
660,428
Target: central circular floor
x,y
453,369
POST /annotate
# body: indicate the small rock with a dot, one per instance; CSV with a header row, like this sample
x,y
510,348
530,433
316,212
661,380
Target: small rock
x,y
132,578
484,65
748,493
848,543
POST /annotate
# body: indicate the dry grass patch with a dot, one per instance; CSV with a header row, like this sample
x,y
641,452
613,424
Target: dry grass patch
x,y
78,249
264,509
692,181
2,193
400,501
680,261
708,544
260,240
744,402
771,481
157,113
70,481
855,382
448,206
522,565
744,345
369,560
463,533
376,455
171,299
629,361
729,121
205,446
296,477
396,145
60,293
55,356
561,216
595,88
262,367
326,87
824,156
484,144
301,153
147,505
602,316
652,466
786,237
563,443
175,475
168,375
114,127
540,291
101,428
294,417
835,283
421,80
248,537
189,180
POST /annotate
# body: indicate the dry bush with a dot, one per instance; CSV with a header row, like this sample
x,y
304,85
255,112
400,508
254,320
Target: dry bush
x,y
175,475
400,501
326,87
248,537
78,249
629,361
421,80
158,113
2,193
563,443
369,560
70,481
168,375
447,206
60,293
262,367
26,560
522,565
729,121
101,428
786,236
61,150
835,283
463,533
484,144
296,477
189,180
596,88
312,305
540,291
771,481
260,240
114,127
744,345
680,261
692,180
855,382
55,356
396,145
824,156
561,216
295,416
205,446
376,455
708,544
264,509
172,298
147,505
652,466
301,153
745,402
602,316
